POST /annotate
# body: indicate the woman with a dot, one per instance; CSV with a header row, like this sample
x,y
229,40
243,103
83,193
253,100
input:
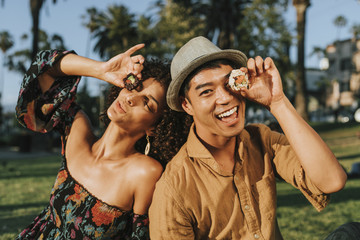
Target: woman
x,y
104,187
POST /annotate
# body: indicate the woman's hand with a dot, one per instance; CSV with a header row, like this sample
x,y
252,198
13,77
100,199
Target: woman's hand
x,y
265,85
117,68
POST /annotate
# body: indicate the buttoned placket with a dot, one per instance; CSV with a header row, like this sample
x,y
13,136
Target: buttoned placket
x,y
245,202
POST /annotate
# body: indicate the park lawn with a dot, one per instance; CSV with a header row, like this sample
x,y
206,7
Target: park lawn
x,y
25,185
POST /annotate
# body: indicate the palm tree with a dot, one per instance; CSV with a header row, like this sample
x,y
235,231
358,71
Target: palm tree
x,y
222,18
35,8
355,29
6,42
300,80
115,29
340,22
19,60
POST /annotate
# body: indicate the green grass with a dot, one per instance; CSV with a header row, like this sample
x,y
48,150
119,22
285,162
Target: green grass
x,y
297,218
25,185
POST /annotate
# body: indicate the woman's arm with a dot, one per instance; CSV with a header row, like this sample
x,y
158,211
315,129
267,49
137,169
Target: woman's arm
x,y
147,172
112,71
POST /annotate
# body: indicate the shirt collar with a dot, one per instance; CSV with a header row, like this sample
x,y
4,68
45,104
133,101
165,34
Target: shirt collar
x,y
197,150
194,147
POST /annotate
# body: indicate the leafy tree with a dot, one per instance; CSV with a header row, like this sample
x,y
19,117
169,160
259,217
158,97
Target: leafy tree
x,y
301,98
176,26
263,32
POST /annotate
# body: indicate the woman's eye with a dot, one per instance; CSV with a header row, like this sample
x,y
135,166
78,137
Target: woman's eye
x,y
206,92
146,103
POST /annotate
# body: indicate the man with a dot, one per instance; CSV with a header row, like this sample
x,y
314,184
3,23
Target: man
x,y
221,184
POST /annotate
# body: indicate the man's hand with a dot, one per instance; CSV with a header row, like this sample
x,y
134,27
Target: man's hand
x,y
265,85
117,68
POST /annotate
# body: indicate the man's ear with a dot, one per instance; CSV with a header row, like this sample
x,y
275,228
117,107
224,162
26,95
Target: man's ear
x,y
186,105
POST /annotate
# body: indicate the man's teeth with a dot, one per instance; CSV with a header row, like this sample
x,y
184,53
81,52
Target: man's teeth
x,y
227,113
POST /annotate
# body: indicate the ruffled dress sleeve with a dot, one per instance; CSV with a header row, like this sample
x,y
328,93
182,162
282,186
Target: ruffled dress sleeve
x,y
56,108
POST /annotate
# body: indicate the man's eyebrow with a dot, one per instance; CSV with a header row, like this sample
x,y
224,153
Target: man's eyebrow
x,y
203,85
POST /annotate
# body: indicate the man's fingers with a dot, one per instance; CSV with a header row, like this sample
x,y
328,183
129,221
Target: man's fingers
x,y
245,93
259,64
268,63
251,67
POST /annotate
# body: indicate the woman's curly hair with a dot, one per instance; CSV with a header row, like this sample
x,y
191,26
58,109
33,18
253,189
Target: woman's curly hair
x,y
171,129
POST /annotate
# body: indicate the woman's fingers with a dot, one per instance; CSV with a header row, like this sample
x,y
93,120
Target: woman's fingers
x,y
138,59
135,48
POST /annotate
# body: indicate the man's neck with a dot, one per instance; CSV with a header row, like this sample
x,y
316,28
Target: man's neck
x,y
222,149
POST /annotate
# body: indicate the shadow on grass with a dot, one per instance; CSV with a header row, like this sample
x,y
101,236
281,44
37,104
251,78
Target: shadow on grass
x,y
30,167
350,156
29,175
11,225
14,225
299,200
11,207
324,127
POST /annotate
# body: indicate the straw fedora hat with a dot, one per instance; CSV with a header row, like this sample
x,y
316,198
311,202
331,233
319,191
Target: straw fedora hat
x,y
193,54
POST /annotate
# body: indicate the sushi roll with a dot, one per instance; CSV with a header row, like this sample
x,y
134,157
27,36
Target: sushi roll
x,y
131,82
238,79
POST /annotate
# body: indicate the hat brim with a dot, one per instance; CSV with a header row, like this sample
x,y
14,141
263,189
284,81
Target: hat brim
x,y
172,96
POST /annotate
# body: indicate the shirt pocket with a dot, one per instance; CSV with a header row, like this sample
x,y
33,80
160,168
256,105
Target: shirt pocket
x,y
264,196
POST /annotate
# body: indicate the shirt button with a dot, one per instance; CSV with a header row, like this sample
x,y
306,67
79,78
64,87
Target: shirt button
x,y
256,236
247,207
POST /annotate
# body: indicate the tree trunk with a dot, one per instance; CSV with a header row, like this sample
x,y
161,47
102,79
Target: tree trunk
x,y
35,6
301,99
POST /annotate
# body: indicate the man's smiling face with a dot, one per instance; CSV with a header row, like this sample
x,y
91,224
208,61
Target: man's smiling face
x,y
217,111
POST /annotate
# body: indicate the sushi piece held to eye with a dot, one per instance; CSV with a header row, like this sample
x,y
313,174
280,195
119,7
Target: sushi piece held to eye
x,y
131,82
238,79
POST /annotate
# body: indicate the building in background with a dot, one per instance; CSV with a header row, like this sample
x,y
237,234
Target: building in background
x,y
344,74
334,88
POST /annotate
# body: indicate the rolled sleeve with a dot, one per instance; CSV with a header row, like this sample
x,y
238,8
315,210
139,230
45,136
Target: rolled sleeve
x,y
289,168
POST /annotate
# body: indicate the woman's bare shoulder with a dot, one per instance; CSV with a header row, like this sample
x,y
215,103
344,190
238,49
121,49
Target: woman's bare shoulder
x,y
147,168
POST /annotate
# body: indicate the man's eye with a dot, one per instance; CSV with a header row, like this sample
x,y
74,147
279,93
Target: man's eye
x,y
206,92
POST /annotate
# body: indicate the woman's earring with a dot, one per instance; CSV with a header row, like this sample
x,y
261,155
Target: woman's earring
x,y
147,148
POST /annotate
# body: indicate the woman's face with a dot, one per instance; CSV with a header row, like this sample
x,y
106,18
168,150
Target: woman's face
x,y
137,111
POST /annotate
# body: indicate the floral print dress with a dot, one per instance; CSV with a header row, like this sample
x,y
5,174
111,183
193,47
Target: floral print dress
x,y
73,213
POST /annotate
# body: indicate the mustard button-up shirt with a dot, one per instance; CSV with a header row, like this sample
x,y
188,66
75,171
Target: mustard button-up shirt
x,y
195,199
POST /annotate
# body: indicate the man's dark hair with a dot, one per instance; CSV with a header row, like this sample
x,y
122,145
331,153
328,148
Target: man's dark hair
x,y
209,65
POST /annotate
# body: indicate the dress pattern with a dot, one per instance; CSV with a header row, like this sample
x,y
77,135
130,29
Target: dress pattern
x,y
73,212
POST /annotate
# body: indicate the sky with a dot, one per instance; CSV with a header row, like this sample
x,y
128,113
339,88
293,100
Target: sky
x,y
64,18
